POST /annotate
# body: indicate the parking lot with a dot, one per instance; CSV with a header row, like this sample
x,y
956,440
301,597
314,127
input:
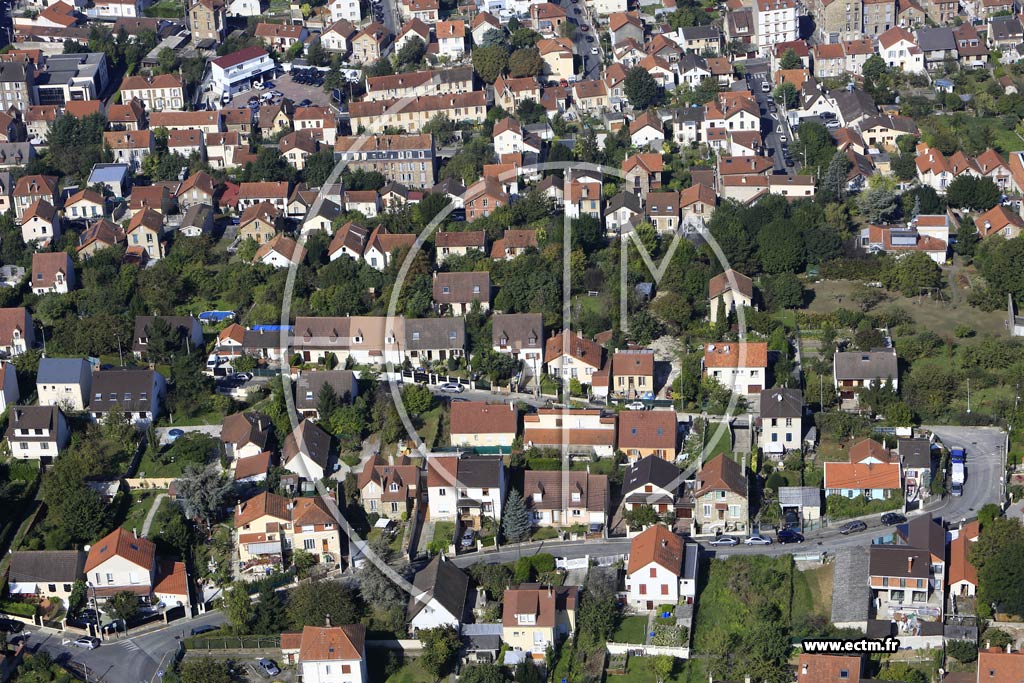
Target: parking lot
x,y
297,92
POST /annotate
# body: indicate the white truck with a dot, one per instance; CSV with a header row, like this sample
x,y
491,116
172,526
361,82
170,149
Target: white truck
x,y
957,479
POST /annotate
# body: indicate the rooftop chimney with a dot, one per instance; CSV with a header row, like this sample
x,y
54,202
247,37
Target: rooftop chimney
x,y
327,620
910,564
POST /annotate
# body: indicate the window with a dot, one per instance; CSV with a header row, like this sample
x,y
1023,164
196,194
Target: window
x,y
643,589
52,588
308,544
654,572
346,669
664,589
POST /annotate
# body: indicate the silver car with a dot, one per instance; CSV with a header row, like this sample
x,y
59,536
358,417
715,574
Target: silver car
x,y
758,540
724,540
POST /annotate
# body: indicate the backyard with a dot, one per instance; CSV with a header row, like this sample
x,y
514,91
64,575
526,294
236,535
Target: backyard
x,y
170,461
141,502
631,630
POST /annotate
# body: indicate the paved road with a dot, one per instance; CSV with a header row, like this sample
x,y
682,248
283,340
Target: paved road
x,y
985,448
136,659
390,16
771,123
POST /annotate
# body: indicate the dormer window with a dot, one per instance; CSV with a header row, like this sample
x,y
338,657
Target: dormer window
x,y
576,496
393,487
538,497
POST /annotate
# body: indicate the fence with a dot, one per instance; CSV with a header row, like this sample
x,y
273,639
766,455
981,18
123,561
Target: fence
x,y
609,560
651,650
406,645
233,643
578,563
150,482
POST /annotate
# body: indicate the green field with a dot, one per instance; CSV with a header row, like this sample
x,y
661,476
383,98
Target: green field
x,y
142,501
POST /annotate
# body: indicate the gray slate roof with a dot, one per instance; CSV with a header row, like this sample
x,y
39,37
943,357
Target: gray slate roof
x,y
874,364
443,581
799,496
915,453
61,370
651,470
46,566
938,38
782,402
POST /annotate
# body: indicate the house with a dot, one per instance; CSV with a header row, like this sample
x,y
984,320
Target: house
x,y
280,252
280,37
522,336
99,235
331,654
662,570
962,577
349,240
460,293
483,196
644,433
129,146
145,233
579,431
655,482
918,464
84,205
17,332
52,272
63,382
45,573
434,339
663,211
40,224
741,367
197,221
245,435
569,355
819,668
179,330
307,451
135,392
856,370
389,490
9,393
621,212
165,91
451,38
206,20
260,223
801,505
781,426
720,497
1000,221
478,424
267,525
871,479
938,44
119,562
309,385
513,243
36,433
466,488
561,499
534,618
697,202
236,72
458,243
439,598
557,54
910,573
623,25
633,373
899,49
382,247
511,92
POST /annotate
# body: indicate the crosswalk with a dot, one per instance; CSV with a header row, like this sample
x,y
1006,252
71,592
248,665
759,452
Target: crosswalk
x,y
128,644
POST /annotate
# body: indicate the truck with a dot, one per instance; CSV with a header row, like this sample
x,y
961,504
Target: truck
x,y
957,479
958,455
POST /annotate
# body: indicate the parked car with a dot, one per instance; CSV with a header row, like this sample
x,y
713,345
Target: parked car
x,y
724,540
891,518
467,539
304,103
758,540
590,39
200,630
789,536
595,51
88,642
268,667
11,625
636,405
244,376
584,28
851,527
452,387
789,162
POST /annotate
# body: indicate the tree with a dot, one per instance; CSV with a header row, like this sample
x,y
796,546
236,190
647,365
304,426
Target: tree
x,y
203,493
966,238
303,561
964,651
482,673
490,62
318,168
976,194
833,183
515,522
912,273
877,203
204,670
780,248
904,166
787,94
783,290
664,664
641,516
239,608
417,399
123,606
440,646
874,67
525,62
270,615
790,60
640,88
412,52
311,602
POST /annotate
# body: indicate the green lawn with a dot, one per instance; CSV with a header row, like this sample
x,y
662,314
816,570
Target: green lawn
x,y
718,439
431,422
445,530
544,533
159,470
411,673
166,8
142,501
396,538
641,670
631,630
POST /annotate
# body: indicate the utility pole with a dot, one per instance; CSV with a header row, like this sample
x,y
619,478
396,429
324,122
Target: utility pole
x,y
968,395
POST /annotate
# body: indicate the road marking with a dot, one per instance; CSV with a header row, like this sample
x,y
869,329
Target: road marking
x,y
129,645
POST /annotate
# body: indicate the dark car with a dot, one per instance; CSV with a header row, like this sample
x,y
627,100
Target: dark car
x,y
892,518
304,103
11,626
789,162
590,39
851,527
200,630
789,536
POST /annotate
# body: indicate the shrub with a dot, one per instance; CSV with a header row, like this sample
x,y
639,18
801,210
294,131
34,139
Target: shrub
x,y
962,650
543,562
963,331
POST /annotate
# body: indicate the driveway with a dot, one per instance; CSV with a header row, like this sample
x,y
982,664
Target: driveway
x,y
986,479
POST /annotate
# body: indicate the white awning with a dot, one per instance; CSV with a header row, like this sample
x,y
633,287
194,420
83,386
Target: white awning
x,y
775,447
22,588
265,548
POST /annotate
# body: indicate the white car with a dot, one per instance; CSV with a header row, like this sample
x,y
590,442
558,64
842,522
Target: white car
x,y
724,540
88,642
782,137
758,540
636,405
595,51
452,388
